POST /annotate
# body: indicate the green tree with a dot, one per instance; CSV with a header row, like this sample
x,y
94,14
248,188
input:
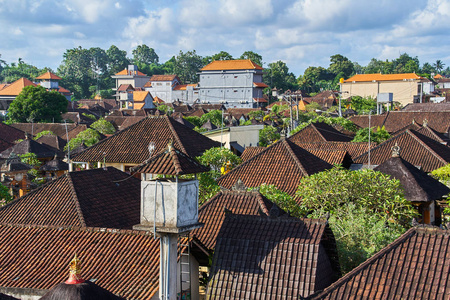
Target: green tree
x,y
194,120
32,160
285,201
367,210
35,103
340,64
442,174
439,65
427,68
362,105
187,65
217,157
379,66
87,138
268,135
103,126
311,77
378,136
117,59
222,55
405,63
13,72
256,114
254,57
277,75
145,55
5,196
215,116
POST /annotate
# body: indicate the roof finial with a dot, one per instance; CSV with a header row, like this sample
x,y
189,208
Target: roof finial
x,y
170,145
425,122
414,120
395,150
74,271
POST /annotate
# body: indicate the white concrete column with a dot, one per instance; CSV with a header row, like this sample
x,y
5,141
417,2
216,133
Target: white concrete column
x,y
168,267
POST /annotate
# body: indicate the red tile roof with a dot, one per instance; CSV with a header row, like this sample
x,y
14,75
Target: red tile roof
x,y
236,64
125,262
260,84
212,213
5,145
125,87
34,128
415,266
427,107
383,77
49,75
249,152
416,149
272,258
16,87
53,141
282,164
95,198
31,146
131,144
171,161
319,132
260,100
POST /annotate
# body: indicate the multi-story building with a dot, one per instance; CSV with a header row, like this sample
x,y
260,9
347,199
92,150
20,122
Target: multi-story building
x,y
406,88
234,83
169,89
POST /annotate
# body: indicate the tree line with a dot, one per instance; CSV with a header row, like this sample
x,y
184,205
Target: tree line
x,y
87,72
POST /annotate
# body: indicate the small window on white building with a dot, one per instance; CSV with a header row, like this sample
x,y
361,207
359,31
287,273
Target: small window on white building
x,y
235,76
235,91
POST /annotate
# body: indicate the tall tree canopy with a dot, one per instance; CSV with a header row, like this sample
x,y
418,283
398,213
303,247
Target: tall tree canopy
x,y
117,59
36,104
254,57
143,54
277,75
187,65
340,64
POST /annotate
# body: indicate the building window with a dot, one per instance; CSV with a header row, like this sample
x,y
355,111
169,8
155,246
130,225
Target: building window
x,y
235,76
235,91
168,83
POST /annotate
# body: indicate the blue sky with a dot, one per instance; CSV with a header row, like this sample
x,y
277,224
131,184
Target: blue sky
x,y
301,33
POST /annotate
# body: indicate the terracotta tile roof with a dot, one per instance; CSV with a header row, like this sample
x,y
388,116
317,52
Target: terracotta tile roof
x,y
260,84
272,258
415,266
260,100
319,132
140,95
171,161
395,120
125,262
94,198
131,120
353,149
433,134
212,213
418,186
325,99
333,157
180,87
283,102
282,164
10,133
16,87
131,144
249,152
125,72
73,132
164,78
3,85
383,77
64,91
196,112
53,141
416,149
31,146
125,87
427,107
49,75
182,108
34,128
209,125
236,64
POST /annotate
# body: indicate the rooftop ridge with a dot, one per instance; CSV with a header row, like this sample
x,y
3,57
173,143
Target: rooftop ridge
x,y
294,157
414,133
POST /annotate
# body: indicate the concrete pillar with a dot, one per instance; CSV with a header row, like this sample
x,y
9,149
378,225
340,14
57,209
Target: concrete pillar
x,y
168,267
195,275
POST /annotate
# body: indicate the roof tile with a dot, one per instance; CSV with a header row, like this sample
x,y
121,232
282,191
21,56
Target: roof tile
x,y
236,64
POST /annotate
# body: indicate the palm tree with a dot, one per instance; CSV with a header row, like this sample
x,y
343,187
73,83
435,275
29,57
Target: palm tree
x,y
439,65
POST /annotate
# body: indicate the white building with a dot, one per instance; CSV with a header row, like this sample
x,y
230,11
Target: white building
x,y
234,83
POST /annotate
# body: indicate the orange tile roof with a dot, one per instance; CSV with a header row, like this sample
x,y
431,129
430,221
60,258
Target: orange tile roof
x,y
237,64
140,95
3,85
164,78
382,77
438,76
63,90
158,100
260,84
16,87
180,87
125,72
49,75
